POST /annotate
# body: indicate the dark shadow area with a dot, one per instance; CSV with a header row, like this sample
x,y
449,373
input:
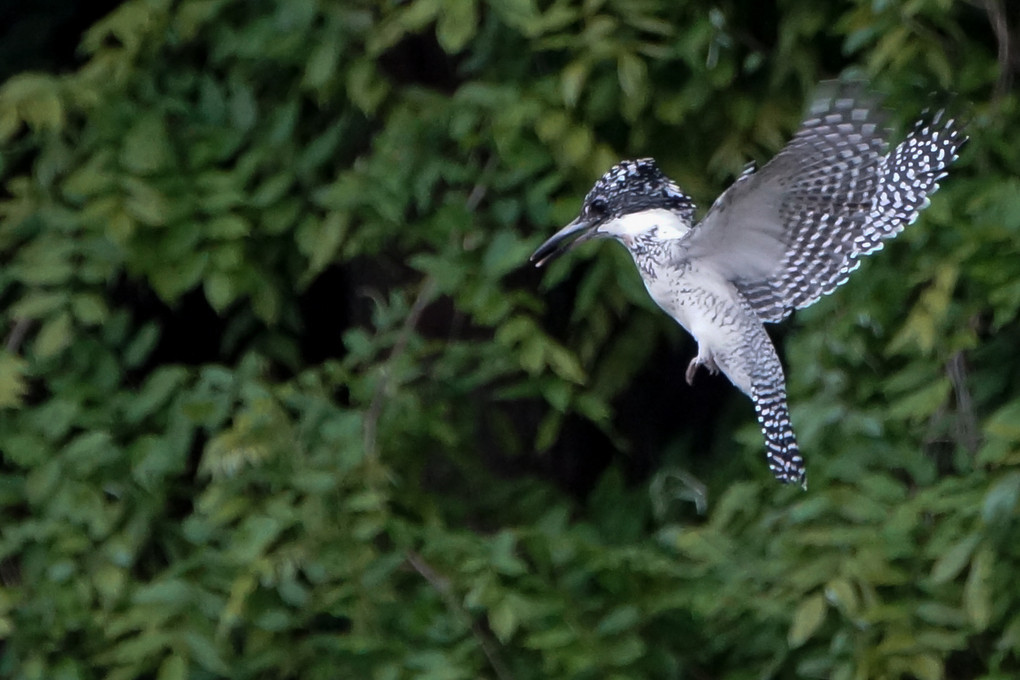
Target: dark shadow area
x,y
44,35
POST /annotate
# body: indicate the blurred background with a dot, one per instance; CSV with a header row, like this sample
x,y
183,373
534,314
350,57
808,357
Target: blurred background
x,y
281,397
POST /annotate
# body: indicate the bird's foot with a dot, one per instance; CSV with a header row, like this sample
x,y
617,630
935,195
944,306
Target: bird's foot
x,y
692,368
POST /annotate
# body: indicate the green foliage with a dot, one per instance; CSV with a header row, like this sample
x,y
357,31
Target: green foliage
x,y
279,396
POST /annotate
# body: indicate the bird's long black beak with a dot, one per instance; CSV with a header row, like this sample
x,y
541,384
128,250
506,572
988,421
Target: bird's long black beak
x,y
560,242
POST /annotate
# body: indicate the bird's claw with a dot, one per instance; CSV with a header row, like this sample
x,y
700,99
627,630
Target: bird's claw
x,y
692,368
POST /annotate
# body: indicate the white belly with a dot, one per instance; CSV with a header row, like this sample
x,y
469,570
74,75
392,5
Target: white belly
x,y
668,294
710,311
699,301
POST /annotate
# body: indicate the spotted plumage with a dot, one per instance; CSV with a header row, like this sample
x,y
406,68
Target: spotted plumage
x,y
632,186
777,240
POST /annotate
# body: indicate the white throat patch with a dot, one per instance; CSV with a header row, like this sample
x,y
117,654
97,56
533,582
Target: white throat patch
x,y
667,225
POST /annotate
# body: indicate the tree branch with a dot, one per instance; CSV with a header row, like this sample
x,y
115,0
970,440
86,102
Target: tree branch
x,y
966,421
442,586
997,18
425,292
17,335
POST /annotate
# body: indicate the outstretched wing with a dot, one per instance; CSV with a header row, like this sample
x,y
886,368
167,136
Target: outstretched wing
x,y
793,231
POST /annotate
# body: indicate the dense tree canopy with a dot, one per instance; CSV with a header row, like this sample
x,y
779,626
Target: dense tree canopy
x,y
280,396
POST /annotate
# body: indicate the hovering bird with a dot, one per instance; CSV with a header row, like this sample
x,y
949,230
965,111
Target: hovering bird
x,y
776,240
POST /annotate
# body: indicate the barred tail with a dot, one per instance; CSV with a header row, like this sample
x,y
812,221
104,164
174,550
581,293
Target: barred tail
x,y
750,361
781,450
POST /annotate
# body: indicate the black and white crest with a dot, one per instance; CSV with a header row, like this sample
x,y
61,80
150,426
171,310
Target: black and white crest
x,y
633,186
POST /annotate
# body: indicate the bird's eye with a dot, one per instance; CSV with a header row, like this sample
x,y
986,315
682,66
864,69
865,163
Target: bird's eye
x,y
598,207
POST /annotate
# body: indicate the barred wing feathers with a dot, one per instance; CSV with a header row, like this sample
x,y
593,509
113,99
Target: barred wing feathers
x,y
797,228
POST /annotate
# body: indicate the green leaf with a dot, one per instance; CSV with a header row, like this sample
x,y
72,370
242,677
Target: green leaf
x,y
572,80
419,13
220,290
10,123
141,345
503,558
548,430
941,614
841,593
38,304
89,308
503,620
44,262
141,648
977,592
321,65
154,459
26,449
255,534
42,482
266,302
457,24
54,336
125,26
174,667
1001,500
1004,423
807,619
145,203
158,389
320,240
12,380
146,146
554,637
365,85
505,253
90,450
1011,635
522,14
228,227
922,402
170,592
619,620
921,329
954,560
273,189
926,667
244,110
205,654
633,74
37,99
564,363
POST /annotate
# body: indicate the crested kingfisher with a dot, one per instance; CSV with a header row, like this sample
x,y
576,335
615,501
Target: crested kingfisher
x,y
776,240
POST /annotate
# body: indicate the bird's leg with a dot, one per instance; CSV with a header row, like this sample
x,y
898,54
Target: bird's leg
x,y
705,360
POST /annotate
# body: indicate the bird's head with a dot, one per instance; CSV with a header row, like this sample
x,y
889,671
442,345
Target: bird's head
x,y
632,201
